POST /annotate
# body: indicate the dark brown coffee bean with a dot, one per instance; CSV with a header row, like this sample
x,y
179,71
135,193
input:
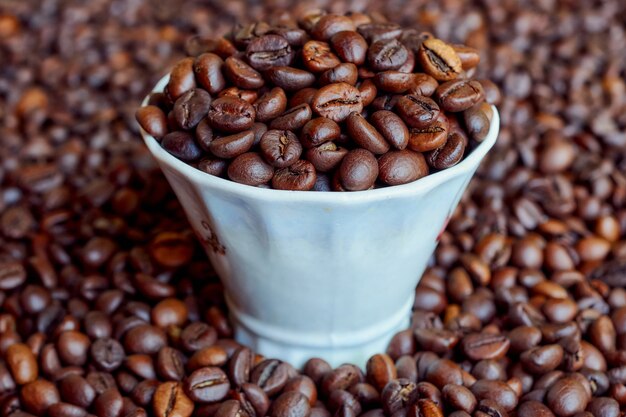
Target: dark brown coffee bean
x,y
293,119
250,169
318,57
197,45
386,54
270,375
249,96
350,46
269,51
170,401
496,391
182,145
459,398
480,346
447,155
208,384
417,111
477,121
144,339
439,60
299,176
75,389
436,340
231,114
439,372
401,167
208,70
253,399
358,170
107,354
197,336
379,30
191,107
208,356
108,404
290,404
38,395
22,363
394,82
342,377
270,105
566,397
423,85
290,78
459,95
533,408
318,131
391,127
66,410
380,369
181,79
280,148
170,364
304,385
542,359
329,25
365,135
152,120
326,156
241,74
233,145
337,101
397,394
240,365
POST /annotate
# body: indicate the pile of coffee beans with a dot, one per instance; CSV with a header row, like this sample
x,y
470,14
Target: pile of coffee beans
x,y
109,307
330,102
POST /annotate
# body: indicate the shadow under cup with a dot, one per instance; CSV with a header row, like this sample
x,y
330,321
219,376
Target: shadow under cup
x,y
318,274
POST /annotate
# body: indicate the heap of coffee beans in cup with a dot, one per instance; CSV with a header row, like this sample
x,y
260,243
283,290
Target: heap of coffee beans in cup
x,y
337,102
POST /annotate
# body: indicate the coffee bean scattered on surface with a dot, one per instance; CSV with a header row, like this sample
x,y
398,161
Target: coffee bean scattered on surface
x,y
289,106
93,241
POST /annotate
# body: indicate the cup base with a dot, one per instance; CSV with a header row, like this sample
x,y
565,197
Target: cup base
x,y
296,347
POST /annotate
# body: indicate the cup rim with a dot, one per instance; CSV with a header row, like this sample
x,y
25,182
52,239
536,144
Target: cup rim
x,y
421,185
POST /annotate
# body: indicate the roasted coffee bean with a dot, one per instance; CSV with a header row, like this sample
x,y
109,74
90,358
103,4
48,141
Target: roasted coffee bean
x,y
37,396
170,400
208,384
566,397
290,78
459,95
144,339
270,105
280,148
318,57
423,85
439,60
240,365
350,46
152,120
250,169
208,70
331,24
394,82
107,354
191,107
342,377
358,170
326,156
290,404
299,176
318,131
477,121
365,135
269,51
304,385
342,73
75,389
417,111
387,54
431,137
270,375
391,127
181,79
182,145
496,391
208,356
109,403
170,364
380,370
397,394
22,363
231,146
337,101
480,346
401,167
230,114
447,155
241,74
293,119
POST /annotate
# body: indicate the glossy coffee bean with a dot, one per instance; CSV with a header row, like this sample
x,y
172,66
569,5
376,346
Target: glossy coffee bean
x,y
230,114
208,71
417,111
250,169
170,400
299,176
292,119
191,107
358,170
337,101
290,404
269,51
365,135
270,105
439,60
182,79
208,384
231,146
182,145
342,73
431,137
387,54
152,120
317,56
459,95
22,363
280,148
401,167
391,127
290,78
326,156
447,155
241,74
350,46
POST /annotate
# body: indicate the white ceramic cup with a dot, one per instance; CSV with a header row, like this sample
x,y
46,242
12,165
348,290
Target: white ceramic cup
x,y
318,274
